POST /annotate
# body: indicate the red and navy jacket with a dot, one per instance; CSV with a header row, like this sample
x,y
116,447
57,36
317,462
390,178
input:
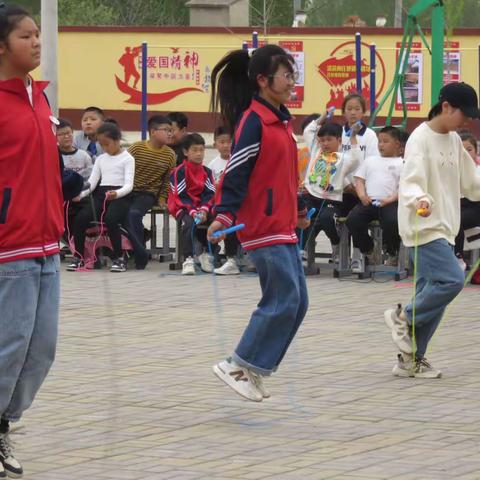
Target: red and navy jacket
x,y
192,189
260,183
31,203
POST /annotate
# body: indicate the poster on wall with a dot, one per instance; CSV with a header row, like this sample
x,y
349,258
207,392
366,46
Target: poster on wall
x,y
295,48
451,62
413,79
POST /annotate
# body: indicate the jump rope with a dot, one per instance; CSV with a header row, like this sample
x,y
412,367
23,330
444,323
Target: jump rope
x,y
87,266
219,314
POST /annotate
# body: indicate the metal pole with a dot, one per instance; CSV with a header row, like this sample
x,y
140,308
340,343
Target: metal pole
x,y
373,77
398,14
49,64
144,90
438,32
358,61
264,18
255,39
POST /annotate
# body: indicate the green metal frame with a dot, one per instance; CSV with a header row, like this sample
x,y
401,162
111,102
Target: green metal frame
x,y
412,27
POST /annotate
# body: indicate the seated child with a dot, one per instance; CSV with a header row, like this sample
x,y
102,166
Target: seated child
x,y
115,171
223,143
87,140
179,131
192,189
325,177
469,211
73,159
377,182
354,109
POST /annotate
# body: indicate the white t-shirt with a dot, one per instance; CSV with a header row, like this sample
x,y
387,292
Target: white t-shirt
x,y
113,170
217,166
381,175
368,143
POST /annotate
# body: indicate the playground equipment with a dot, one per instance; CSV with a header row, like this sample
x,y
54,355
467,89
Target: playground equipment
x,y
436,51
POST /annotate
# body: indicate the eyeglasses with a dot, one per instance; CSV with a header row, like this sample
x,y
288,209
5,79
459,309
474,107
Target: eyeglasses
x,y
167,130
289,76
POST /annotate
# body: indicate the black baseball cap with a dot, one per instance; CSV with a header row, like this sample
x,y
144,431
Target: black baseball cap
x,y
459,95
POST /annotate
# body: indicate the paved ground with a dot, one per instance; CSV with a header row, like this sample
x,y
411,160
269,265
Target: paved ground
x,y
132,395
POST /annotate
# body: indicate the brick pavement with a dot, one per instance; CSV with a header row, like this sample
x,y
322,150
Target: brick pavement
x,y
132,395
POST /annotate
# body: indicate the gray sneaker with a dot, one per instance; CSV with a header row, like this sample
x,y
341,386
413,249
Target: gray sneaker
x,y
400,329
406,367
425,369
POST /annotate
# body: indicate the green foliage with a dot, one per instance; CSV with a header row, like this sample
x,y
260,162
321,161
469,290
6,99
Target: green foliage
x,y
85,12
278,13
122,12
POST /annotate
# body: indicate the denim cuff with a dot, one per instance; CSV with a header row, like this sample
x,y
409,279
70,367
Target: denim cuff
x,y
260,371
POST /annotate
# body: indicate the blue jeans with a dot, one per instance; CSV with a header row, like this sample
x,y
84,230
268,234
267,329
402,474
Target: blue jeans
x,y
439,280
29,301
279,313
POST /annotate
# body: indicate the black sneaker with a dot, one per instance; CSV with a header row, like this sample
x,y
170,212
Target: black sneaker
x,y
76,264
11,465
118,265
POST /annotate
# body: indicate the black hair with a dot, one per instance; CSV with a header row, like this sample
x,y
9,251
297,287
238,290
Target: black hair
x,y
330,129
63,123
308,120
111,120
96,110
354,96
10,17
110,130
156,120
179,118
393,132
192,139
404,136
435,110
222,130
234,79
467,136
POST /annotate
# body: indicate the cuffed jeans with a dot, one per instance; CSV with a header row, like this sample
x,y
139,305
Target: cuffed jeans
x,y
439,280
29,303
280,312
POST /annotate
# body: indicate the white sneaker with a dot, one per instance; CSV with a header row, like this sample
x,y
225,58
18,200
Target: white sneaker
x,y
260,385
188,266
391,261
357,265
230,267
11,465
400,329
206,262
239,379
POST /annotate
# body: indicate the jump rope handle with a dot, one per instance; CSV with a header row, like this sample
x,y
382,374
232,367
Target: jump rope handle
x,y
330,112
310,213
421,211
226,231
349,133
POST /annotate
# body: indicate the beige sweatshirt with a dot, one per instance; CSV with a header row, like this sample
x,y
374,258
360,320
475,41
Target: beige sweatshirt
x,y
438,170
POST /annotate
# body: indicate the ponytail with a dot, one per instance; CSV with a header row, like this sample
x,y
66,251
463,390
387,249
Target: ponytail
x,y
234,79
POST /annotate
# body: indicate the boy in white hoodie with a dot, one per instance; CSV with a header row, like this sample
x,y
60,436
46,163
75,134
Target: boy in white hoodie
x,y
325,177
437,171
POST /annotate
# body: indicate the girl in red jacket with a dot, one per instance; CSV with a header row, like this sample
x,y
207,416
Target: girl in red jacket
x,y
259,188
31,223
